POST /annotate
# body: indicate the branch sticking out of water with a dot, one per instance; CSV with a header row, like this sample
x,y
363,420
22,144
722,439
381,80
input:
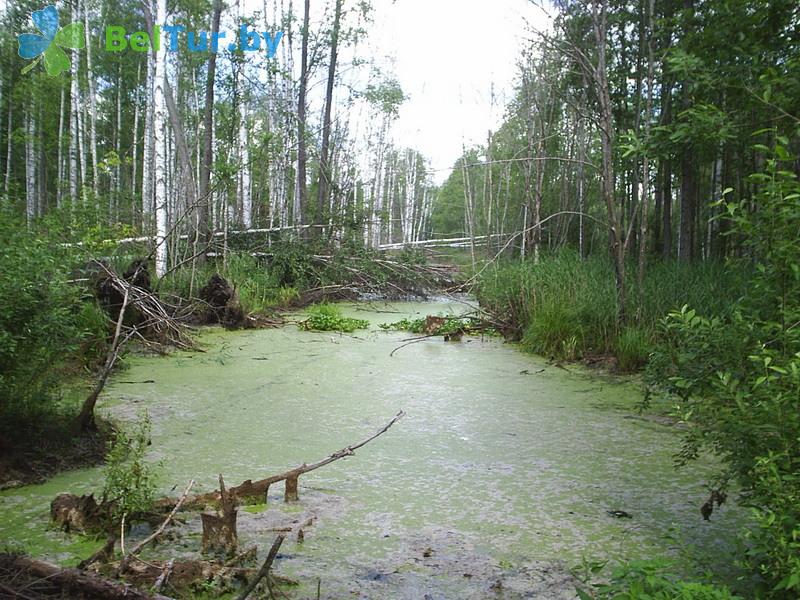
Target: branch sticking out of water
x,y
250,491
264,571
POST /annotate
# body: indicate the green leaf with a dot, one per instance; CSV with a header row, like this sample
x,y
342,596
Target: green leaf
x,y
55,61
71,36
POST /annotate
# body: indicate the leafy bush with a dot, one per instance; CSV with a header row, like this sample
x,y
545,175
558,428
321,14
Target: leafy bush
x,y
736,378
650,580
42,320
448,325
130,480
412,325
327,317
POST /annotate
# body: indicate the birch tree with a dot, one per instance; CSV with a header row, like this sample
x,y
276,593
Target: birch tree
x,y
160,150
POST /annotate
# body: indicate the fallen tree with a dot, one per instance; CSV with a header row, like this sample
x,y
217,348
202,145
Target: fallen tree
x,y
62,583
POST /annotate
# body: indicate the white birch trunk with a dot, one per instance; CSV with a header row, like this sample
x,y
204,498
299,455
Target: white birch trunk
x,y
9,149
147,147
247,198
160,148
82,150
60,158
135,162
30,169
92,99
74,100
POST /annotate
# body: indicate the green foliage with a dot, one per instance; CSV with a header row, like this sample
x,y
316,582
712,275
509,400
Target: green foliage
x,y
736,378
633,348
650,580
327,317
565,307
130,480
412,325
42,319
448,326
259,286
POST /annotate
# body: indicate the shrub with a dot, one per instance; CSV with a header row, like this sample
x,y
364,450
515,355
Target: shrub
x,y
736,378
42,320
565,307
650,580
130,480
633,348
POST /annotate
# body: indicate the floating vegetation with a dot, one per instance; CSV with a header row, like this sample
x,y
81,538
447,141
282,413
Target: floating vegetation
x,y
327,317
439,325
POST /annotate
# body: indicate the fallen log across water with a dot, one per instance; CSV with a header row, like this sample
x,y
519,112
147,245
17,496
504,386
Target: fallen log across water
x,y
63,583
254,492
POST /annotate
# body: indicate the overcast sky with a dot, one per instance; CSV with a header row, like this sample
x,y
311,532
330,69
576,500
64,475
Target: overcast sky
x,y
450,56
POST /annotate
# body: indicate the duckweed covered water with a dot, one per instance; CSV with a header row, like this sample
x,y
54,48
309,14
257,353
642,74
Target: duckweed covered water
x,y
497,481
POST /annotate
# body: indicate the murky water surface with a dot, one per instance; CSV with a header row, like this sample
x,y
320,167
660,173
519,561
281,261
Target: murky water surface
x,y
496,482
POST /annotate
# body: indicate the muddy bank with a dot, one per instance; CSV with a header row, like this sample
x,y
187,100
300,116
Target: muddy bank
x,y
49,453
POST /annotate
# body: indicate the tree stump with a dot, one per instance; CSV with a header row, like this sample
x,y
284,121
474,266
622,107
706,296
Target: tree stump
x,y
290,494
79,514
219,531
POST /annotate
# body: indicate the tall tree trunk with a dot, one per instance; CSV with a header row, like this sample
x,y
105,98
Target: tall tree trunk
x,y
147,139
616,233
117,148
645,163
244,171
324,167
666,216
9,149
30,168
686,242
686,250
74,96
300,186
92,99
60,154
204,226
134,182
159,142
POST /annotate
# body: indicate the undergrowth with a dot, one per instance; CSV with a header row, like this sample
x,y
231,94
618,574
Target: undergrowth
x,y
566,308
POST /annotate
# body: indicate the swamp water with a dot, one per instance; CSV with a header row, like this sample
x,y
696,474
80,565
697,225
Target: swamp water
x,y
496,482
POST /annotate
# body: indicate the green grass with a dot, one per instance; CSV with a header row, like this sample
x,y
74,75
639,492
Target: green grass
x,y
255,282
566,307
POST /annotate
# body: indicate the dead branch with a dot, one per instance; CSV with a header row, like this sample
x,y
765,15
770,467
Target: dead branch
x,y
410,341
258,490
86,417
264,570
138,548
165,573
